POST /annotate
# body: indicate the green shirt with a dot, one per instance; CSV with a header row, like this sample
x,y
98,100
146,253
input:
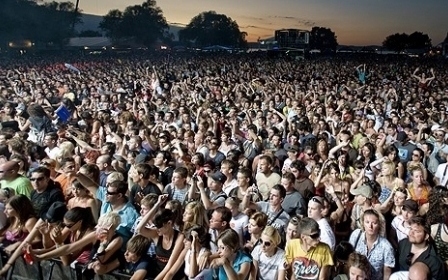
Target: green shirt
x,y
21,185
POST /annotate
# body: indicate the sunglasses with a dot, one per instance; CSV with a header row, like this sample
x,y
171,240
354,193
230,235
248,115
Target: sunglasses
x,y
111,193
266,243
68,225
314,235
38,179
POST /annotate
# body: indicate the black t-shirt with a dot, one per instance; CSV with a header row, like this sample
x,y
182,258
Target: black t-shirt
x,y
166,175
42,201
143,263
428,257
150,188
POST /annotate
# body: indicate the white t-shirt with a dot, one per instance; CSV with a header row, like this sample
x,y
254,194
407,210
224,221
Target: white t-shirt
x,y
238,224
442,174
401,229
326,233
227,188
268,266
53,153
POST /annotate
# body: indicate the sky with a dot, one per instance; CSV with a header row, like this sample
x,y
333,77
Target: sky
x,y
355,22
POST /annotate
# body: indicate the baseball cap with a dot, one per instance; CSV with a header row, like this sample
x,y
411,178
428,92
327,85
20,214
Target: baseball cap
x,y
292,148
410,205
56,212
219,177
363,190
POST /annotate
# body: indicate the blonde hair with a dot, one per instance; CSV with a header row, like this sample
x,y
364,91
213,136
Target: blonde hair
x,y
67,148
273,235
390,165
234,202
199,215
115,176
110,219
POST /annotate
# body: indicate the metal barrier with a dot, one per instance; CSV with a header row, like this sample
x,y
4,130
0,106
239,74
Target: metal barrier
x,y
54,269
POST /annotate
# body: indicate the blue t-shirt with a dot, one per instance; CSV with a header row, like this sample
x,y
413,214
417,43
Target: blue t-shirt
x,y
240,259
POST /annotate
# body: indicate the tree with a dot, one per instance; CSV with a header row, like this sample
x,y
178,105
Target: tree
x,y
210,28
418,40
398,42
25,20
322,38
144,23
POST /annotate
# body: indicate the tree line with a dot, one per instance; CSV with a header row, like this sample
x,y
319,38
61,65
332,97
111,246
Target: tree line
x,y
145,24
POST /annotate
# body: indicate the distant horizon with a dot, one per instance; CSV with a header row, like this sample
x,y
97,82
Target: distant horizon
x,y
354,22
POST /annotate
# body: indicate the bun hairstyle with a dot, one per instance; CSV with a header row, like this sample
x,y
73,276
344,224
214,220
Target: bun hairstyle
x,y
163,217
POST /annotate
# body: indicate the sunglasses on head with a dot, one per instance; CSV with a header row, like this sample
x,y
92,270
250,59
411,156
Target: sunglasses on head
x,y
317,200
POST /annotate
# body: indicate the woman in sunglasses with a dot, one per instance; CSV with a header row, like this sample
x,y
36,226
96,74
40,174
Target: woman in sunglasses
x,y
78,224
268,259
99,249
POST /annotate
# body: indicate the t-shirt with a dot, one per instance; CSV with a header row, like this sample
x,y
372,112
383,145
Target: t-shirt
x,y
240,259
150,188
326,233
42,201
265,184
20,185
401,229
294,204
307,265
239,224
268,267
280,223
143,263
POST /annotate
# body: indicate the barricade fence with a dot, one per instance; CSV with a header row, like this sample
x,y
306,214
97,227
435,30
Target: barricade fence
x,y
54,269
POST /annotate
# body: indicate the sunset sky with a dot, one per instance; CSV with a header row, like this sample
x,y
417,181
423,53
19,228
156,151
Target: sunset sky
x,y
355,22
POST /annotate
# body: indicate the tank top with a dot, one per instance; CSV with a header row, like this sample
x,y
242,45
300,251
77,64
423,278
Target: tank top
x,y
163,256
84,253
441,246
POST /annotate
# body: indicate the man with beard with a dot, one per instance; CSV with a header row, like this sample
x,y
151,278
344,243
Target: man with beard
x,y
417,248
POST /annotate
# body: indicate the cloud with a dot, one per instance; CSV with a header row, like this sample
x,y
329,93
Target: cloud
x,y
300,21
257,27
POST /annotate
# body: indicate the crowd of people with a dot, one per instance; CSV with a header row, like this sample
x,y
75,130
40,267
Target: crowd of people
x,y
226,166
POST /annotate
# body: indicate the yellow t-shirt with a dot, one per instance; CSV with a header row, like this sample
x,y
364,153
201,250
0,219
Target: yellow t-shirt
x,y
307,265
